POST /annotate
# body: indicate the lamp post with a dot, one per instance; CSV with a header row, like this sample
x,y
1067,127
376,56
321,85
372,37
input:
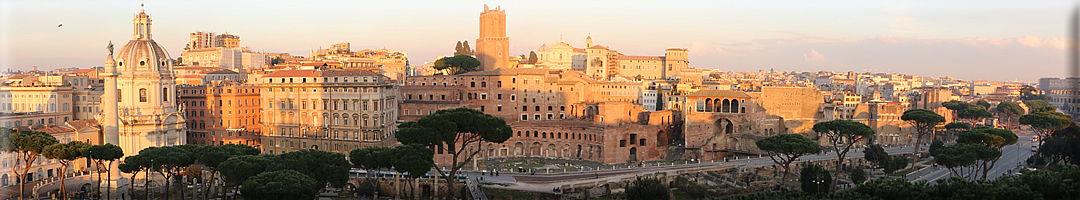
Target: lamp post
x,y
148,177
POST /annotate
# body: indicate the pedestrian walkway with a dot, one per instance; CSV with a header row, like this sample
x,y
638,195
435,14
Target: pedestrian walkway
x,y
474,188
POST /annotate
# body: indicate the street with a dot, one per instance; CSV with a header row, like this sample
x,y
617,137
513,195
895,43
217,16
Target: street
x,y
1011,155
545,182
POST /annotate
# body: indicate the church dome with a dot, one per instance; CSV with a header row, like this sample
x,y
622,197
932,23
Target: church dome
x,y
142,55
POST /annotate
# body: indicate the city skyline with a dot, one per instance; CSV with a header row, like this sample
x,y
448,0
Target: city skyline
x,y
966,40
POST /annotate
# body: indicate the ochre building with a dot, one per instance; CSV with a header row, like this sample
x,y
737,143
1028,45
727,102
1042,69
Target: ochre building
x,y
330,110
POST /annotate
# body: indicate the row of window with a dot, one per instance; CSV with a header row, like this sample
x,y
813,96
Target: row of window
x,y
218,91
303,145
328,89
337,120
356,104
27,96
212,142
344,135
202,113
473,84
201,124
536,117
246,102
633,139
557,135
31,122
29,107
326,79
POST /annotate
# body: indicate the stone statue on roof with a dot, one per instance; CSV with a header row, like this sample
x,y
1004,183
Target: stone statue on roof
x,y
110,48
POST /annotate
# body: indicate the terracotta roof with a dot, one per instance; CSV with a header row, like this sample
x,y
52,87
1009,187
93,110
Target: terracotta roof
x,y
321,73
83,71
509,71
82,124
573,76
224,71
719,93
577,50
597,47
717,82
52,129
625,57
198,68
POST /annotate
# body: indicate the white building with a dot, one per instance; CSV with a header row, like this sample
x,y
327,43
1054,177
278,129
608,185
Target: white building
x,y
139,108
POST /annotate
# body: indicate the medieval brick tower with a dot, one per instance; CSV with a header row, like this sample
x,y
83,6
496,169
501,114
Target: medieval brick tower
x,y
493,47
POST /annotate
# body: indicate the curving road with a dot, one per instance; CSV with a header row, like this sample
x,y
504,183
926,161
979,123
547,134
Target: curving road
x,y
1012,158
546,182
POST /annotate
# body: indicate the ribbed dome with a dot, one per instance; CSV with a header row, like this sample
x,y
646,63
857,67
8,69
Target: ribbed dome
x,y
142,55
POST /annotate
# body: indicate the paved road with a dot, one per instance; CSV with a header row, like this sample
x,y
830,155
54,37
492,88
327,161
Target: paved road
x,y
545,182
1010,156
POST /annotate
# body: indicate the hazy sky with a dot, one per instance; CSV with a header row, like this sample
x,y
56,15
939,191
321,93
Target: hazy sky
x,y
994,40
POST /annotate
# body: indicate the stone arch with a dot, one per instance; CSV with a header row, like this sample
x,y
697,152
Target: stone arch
x,y
599,152
534,149
578,154
732,143
491,150
729,128
716,105
633,154
726,107
708,105
518,148
723,126
661,139
566,150
735,106
550,151
589,154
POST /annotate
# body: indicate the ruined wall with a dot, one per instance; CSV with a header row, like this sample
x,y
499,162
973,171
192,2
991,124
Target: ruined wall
x,y
796,106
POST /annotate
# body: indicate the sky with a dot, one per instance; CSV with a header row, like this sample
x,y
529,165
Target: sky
x,y
991,40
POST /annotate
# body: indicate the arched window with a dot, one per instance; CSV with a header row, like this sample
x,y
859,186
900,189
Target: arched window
x,y
142,94
165,94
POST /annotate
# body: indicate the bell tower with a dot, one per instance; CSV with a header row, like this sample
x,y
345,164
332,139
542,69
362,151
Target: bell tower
x,y
493,47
